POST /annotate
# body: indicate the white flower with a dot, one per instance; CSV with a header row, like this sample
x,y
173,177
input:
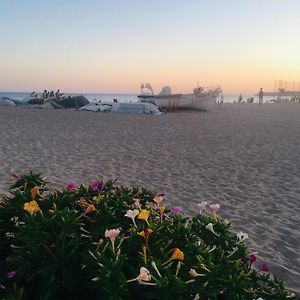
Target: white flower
x,y
14,219
155,268
194,274
215,207
197,297
9,235
213,248
291,295
143,278
144,275
132,215
210,227
233,251
242,236
202,206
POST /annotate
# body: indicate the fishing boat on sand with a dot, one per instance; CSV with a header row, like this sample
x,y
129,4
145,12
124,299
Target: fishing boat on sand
x,y
202,98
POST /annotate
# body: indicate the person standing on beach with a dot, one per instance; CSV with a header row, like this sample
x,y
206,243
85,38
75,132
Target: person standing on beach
x,y
45,94
57,95
260,96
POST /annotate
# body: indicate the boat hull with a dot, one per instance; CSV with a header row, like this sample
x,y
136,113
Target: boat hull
x,y
191,101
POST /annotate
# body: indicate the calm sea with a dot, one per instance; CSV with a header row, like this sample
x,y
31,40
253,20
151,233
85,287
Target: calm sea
x,y
120,97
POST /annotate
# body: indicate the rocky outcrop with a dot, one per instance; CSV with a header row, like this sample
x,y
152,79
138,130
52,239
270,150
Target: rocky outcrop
x,y
73,102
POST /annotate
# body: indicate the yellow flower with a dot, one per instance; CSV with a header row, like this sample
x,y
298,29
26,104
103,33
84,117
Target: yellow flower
x,y
32,207
82,202
144,215
144,248
89,209
35,191
98,198
146,234
161,211
177,255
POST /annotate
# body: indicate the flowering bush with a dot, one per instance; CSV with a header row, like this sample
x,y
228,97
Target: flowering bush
x,y
103,241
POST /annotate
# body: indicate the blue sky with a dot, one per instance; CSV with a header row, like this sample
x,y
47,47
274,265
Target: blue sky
x,y
114,45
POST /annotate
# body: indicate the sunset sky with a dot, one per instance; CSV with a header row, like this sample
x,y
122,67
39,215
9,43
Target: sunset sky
x,y
112,46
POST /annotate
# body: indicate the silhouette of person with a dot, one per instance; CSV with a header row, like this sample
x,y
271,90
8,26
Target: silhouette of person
x,y
261,96
57,94
45,94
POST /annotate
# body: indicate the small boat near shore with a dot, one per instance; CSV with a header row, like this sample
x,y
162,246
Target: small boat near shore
x,y
202,98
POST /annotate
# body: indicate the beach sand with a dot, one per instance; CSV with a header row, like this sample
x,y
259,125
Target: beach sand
x,y
246,157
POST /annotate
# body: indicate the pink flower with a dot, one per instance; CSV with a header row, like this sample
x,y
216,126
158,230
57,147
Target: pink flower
x,y
112,234
137,203
176,210
264,268
70,187
11,274
95,185
158,199
252,258
16,176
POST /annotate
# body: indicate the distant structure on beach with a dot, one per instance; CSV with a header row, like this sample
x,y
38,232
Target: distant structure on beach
x,y
285,91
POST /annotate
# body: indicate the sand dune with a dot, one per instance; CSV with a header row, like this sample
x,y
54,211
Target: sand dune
x,y
244,157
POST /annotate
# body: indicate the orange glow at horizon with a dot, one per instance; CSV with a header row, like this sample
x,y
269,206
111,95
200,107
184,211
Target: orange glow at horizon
x,y
114,50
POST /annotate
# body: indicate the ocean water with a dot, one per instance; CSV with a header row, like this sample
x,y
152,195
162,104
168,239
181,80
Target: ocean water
x,y
121,97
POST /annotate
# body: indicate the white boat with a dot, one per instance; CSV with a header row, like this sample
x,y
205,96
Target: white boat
x,y
202,98
136,107
98,106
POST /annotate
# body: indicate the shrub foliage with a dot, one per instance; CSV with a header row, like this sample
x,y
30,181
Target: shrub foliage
x,y
103,241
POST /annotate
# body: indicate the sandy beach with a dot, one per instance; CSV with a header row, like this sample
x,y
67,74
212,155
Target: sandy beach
x,y
246,157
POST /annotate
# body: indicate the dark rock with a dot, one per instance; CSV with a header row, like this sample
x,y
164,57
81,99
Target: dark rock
x,y
35,101
73,102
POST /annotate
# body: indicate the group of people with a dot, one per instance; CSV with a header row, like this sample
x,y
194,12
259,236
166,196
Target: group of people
x,y
49,95
58,95
260,97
